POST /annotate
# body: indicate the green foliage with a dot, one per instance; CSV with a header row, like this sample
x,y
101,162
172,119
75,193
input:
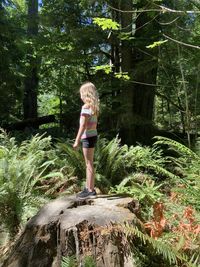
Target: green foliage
x,y
135,171
177,107
188,164
116,162
72,159
11,73
71,45
71,261
122,75
106,68
48,104
126,36
181,149
149,159
22,167
106,24
147,192
157,247
109,157
89,262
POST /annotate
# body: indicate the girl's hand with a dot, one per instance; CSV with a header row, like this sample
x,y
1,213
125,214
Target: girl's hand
x,y
76,145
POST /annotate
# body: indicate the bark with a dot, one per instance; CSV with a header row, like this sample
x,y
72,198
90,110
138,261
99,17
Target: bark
x,y
127,118
31,80
67,227
115,46
137,98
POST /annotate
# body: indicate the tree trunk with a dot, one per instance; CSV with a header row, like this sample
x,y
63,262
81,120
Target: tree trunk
x,y
66,227
127,118
31,80
137,95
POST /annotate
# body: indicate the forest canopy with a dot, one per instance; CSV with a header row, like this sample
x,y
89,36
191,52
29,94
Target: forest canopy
x,y
143,57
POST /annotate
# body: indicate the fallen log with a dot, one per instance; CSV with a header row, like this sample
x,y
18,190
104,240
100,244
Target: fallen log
x,y
30,123
67,226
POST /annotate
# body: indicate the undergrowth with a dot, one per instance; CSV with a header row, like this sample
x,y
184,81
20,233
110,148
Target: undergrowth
x,y
164,179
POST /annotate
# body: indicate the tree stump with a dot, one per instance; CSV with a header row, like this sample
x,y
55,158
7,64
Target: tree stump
x,y
68,226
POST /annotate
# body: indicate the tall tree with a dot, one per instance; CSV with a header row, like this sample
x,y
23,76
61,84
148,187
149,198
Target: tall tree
x,y
31,80
10,55
137,95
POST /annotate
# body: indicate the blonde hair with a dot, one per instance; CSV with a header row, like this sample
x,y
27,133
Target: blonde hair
x,y
90,96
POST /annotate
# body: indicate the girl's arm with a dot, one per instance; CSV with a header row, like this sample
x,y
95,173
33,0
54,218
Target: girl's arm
x,y
82,128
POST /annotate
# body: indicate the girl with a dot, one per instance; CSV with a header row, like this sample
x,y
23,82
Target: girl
x,y
87,134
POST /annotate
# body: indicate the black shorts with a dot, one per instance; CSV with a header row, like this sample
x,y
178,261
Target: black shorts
x,y
89,142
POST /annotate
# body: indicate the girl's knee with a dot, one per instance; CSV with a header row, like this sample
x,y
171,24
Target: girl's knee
x,y
89,164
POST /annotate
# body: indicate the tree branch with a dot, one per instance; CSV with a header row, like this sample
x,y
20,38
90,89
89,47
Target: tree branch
x,y
168,23
170,101
162,9
182,43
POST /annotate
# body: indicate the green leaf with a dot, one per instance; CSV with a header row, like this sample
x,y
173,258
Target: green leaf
x,y
122,75
106,68
106,24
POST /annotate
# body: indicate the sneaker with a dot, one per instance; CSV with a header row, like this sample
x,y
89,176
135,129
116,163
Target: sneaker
x,y
87,194
85,190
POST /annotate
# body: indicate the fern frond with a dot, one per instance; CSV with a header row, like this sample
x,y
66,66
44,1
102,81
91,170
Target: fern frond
x,y
176,146
160,171
195,259
74,159
168,252
89,262
69,261
127,179
22,166
110,157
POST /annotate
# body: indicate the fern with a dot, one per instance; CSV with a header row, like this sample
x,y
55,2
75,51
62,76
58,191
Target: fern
x,y
147,193
169,253
110,159
116,162
89,262
73,159
188,163
160,170
102,183
69,261
21,168
176,146
194,260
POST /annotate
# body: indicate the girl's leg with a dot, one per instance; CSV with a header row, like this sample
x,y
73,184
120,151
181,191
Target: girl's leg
x,y
89,156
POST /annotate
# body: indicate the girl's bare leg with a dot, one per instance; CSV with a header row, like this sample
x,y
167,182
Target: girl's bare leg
x,y
89,157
